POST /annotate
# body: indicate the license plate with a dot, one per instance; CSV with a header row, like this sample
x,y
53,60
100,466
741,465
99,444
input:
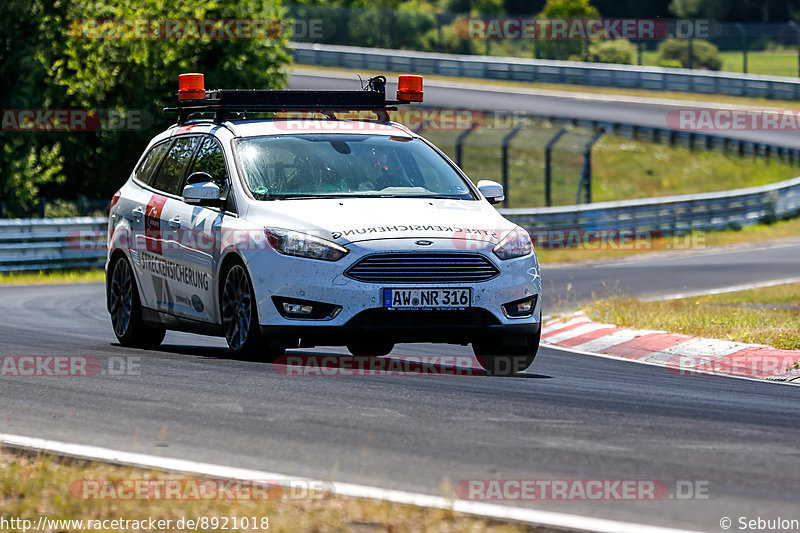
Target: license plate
x,y
426,298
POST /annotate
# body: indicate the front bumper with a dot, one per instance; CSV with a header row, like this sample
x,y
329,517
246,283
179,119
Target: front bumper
x,y
361,314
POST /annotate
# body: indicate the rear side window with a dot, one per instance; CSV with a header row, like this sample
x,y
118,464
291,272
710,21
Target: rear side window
x,y
172,172
211,161
146,171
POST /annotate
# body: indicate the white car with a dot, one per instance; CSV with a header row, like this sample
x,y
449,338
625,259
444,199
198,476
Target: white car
x,y
282,233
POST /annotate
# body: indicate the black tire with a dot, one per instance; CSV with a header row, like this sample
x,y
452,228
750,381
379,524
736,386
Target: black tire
x,y
500,360
126,309
370,348
239,315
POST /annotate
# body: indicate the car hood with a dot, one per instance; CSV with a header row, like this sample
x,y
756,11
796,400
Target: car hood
x,y
348,220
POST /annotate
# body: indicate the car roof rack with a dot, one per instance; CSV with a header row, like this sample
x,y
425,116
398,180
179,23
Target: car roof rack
x,y
193,98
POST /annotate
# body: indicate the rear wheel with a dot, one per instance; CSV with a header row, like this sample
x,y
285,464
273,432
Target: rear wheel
x,y
240,316
367,348
499,360
126,310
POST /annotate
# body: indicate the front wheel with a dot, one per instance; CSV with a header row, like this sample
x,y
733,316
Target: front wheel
x,y
240,316
126,310
499,360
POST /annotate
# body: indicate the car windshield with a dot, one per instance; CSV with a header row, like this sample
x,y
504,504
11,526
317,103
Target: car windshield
x,y
347,165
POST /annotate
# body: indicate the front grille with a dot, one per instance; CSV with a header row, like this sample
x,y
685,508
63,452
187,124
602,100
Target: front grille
x,y
423,268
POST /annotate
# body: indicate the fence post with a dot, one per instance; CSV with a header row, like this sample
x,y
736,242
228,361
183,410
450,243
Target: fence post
x,y
344,21
506,142
42,206
548,149
460,143
586,174
83,206
439,34
743,31
796,29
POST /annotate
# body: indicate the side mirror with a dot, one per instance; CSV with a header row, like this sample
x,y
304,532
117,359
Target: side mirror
x,y
492,191
201,190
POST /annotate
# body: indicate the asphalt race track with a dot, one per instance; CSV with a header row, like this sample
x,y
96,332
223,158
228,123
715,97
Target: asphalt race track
x,y
571,416
641,111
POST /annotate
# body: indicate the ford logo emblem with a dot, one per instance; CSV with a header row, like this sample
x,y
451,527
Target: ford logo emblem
x,y
424,243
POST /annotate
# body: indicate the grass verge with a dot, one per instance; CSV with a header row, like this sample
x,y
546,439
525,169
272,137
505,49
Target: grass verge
x,y
692,242
42,485
770,62
769,315
622,168
56,276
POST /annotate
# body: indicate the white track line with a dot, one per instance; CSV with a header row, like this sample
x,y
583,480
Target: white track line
x,y
723,290
491,510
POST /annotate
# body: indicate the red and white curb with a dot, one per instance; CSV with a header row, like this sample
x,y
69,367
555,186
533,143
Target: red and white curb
x,y
680,354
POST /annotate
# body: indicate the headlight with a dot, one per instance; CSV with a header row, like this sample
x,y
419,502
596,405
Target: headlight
x,y
516,244
303,245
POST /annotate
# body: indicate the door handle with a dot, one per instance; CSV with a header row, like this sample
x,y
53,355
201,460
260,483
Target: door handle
x,y
175,221
137,213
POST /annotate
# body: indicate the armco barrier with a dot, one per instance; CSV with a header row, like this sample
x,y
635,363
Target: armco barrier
x,y
52,243
547,71
704,212
44,244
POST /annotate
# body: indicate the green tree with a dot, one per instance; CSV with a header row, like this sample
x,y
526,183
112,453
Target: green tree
x,y
705,55
561,9
58,68
620,51
29,161
709,9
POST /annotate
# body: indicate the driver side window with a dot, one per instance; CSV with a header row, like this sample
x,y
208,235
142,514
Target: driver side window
x,y
173,170
210,160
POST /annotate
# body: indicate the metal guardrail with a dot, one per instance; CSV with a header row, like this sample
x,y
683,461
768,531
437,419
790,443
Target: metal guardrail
x,y
58,243
670,214
548,71
52,243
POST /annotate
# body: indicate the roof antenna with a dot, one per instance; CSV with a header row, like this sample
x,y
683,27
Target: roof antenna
x,y
377,84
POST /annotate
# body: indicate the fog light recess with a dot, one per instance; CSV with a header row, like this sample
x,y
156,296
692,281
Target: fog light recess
x,y
305,309
522,308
